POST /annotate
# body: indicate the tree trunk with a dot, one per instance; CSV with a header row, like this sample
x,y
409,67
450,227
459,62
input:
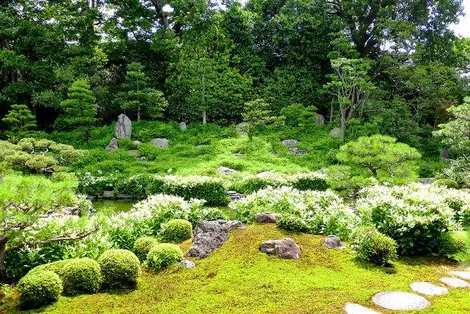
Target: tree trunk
x,y
138,114
3,255
331,112
373,170
343,121
204,117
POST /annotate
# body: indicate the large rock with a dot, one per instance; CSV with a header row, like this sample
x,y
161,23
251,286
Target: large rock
x,y
160,142
333,242
234,195
112,146
290,142
297,151
226,171
209,235
337,132
285,248
183,126
123,128
320,120
265,218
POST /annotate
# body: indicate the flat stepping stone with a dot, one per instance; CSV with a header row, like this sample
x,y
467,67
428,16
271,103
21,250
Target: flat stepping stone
x,y
455,282
461,274
427,288
400,301
352,308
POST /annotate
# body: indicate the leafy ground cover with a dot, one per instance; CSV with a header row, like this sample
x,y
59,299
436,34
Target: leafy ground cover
x,y
239,279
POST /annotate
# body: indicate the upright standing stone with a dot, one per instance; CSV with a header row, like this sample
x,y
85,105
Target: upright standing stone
x,y
160,142
123,128
337,132
183,126
112,146
320,120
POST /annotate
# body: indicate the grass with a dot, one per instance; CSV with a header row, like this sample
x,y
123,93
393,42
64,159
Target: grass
x,y
239,279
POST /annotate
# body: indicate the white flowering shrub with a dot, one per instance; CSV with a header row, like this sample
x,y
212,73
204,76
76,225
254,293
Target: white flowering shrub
x,y
415,215
147,218
316,212
301,181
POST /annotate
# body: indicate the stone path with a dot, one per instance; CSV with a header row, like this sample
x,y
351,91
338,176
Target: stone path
x,y
405,301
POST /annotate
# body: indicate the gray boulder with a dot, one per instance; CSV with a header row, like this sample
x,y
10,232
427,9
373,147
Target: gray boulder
x,y
108,194
187,264
297,151
333,242
337,132
320,120
290,142
160,142
183,126
123,128
136,142
234,195
112,146
265,218
209,235
226,171
285,248
241,128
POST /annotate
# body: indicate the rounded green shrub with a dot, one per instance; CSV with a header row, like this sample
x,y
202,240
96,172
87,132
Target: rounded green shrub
x,y
119,268
163,255
81,275
291,223
451,184
143,245
39,288
373,246
453,243
177,231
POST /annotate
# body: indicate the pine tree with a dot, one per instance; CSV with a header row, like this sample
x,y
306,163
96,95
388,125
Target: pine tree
x,y
20,118
137,95
79,110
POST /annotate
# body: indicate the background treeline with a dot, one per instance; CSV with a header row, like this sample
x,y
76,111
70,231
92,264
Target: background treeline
x,y
188,59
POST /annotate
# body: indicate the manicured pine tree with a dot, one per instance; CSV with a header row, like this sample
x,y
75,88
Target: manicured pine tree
x,y
20,118
137,95
79,109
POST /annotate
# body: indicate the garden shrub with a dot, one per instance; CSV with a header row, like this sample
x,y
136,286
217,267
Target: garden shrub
x,y
142,247
291,223
119,268
452,243
39,288
252,183
373,246
177,231
451,184
309,181
430,211
163,255
81,275
210,189
322,211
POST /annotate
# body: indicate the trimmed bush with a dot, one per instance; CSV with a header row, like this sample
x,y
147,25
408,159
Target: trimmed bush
x,y
451,184
452,243
210,189
39,288
177,231
81,275
309,181
119,268
373,246
291,223
163,255
142,247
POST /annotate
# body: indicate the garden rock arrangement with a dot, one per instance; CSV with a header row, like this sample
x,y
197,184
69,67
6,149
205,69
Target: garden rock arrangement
x,y
333,242
209,235
234,195
112,146
297,151
226,171
285,248
160,142
337,132
290,142
265,218
123,128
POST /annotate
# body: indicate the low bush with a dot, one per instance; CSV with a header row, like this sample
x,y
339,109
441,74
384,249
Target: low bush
x,y
142,247
210,189
309,181
163,255
451,244
39,288
177,231
451,184
373,246
119,269
81,275
291,223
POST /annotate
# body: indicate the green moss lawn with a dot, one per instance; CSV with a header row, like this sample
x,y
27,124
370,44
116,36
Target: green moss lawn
x,y
239,279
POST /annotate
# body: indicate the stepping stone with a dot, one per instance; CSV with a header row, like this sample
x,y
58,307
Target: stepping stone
x,y
455,282
461,274
352,308
400,301
427,288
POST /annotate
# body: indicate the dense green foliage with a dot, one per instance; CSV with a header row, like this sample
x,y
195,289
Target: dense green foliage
x,y
372,246
39,288
177,231
82,275
119,268
162,256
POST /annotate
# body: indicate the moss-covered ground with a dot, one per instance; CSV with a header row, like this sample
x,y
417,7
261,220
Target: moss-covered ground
x,y
239,279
